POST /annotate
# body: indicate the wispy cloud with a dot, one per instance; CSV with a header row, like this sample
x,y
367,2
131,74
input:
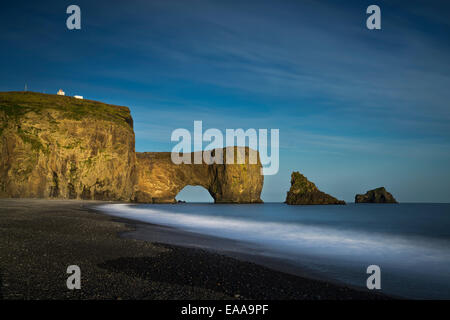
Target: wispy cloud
x,y
309,68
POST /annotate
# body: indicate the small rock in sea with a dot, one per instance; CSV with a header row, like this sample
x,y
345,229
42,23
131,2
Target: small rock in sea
x,y
378,195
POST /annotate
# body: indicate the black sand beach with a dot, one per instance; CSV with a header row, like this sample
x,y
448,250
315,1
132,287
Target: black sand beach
x,y
39,239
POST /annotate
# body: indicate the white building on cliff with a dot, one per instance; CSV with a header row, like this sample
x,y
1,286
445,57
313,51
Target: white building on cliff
x,y
61,93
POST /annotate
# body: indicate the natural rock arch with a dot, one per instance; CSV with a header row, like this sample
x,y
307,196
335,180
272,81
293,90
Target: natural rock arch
x,y
55,146
160,180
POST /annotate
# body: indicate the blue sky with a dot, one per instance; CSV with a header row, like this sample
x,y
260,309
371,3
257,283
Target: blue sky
x,y
356,109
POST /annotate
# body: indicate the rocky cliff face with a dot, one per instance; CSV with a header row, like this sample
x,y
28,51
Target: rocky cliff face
x,y
378,195
305,192
60,147
160,180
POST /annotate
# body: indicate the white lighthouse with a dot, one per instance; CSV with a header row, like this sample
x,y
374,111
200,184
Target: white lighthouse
x,y
61,93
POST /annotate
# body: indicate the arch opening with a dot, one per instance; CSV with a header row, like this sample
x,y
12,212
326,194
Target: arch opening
x,y
194,194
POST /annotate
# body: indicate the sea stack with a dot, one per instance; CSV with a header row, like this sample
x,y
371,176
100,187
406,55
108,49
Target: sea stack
x,y
378,195
305,192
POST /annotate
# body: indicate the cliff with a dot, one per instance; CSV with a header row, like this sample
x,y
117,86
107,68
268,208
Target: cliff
x,y
305,192
378,195
61,147
160,180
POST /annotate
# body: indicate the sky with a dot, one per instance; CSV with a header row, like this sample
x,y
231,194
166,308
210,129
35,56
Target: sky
x,y
356,108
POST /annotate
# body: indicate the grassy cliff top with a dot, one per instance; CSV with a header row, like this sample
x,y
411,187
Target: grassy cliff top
x,y
17,104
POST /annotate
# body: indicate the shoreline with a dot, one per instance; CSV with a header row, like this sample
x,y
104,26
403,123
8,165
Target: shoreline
x,y
127,259
166,235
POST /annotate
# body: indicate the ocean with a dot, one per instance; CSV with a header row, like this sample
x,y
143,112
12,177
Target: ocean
x,y
409,242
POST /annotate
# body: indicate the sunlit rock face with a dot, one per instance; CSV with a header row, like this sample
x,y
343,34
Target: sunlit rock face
x,y
56,146
378,195
305,192
60,147
160,180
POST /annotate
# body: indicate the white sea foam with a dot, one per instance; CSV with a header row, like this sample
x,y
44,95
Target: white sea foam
x,y
413,266
294,238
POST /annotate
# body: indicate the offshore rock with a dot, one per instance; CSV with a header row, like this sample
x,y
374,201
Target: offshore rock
x,y
378,195
305,192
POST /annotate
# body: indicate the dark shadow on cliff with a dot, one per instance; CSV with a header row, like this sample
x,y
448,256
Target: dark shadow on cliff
x,y
199,268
